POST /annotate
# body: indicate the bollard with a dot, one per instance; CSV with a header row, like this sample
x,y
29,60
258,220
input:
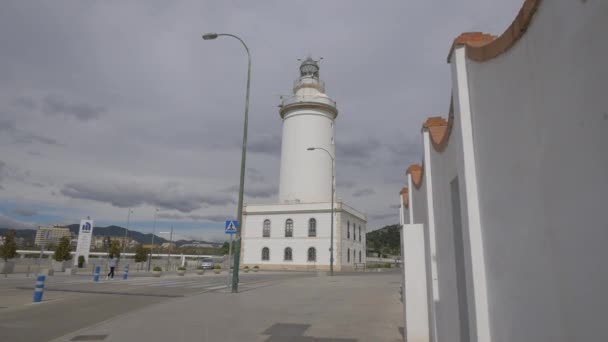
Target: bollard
x,y
39,289
96,274
126,274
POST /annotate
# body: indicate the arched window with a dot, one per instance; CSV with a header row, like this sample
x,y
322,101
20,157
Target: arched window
x,y
359,233
348,229
359,256
266,231
348,255
287,256
265,254
312,227
354,256
312,254
289,228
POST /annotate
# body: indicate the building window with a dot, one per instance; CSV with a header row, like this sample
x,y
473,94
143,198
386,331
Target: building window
x,y
354,256
289,228
312,254
359,256
312,227
359,233
265,254
287,256
348,229
266,231
348,255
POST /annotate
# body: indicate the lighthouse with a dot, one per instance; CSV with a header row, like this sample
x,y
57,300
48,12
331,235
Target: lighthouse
x,y
295,232
308,121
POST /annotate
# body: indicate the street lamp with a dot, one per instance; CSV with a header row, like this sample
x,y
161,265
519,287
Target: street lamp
x,y
331,240
124,245
170,243
153,233
237,250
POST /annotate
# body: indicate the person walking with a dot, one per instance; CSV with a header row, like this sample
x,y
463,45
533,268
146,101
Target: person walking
x,y
112,266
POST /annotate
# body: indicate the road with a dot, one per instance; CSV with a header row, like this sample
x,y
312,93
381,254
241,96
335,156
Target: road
x,y
271,306
74,302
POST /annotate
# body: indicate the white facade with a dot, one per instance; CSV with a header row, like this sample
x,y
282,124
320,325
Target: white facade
x,y
519,176
348,246
295,234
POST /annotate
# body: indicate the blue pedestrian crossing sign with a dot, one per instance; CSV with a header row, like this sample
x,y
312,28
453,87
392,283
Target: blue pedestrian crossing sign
x,y
231,227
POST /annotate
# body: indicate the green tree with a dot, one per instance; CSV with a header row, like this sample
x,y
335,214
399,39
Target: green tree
x,y
225,248
141,253
9,249
62,252
115,248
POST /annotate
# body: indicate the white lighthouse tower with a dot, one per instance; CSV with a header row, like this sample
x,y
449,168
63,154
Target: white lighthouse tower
x,y
295,234
308,121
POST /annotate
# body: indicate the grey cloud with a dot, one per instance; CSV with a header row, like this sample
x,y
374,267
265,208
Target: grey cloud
x,y
23,137
24,212
256,190
132,195
384,216
254,175
266,145
364,192
7,125
25,103
56,106
395,206
357,149
8,222
211,218
345,184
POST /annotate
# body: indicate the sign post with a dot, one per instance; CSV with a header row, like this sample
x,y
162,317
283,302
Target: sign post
x,y
230,229
84,240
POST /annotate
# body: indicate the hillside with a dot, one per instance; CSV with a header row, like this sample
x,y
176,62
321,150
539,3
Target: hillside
x,y
384,241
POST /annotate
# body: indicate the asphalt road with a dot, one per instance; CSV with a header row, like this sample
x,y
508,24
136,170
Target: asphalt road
x,y
74,302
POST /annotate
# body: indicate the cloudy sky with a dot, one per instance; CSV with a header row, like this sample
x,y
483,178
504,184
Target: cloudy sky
x,y
106,105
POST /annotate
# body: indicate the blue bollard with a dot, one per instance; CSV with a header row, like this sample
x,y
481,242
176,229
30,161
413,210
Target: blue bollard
x,y
126,274
39,289
96,274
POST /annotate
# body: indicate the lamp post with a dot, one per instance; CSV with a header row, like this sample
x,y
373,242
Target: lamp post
x,y
170,243
153,233
124,245
331,240
237,249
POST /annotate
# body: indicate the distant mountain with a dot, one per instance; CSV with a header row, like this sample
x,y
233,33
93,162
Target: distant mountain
x,y
384,241
30,234
180,243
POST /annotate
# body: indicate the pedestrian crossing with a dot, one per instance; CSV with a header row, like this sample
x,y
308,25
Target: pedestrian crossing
x,y
151,282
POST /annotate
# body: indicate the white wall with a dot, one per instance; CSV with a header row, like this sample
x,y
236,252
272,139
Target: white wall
x,y
253,240
306,175
351,244
541,131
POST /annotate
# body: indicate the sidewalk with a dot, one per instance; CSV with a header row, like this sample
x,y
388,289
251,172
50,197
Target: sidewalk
x,y
340,308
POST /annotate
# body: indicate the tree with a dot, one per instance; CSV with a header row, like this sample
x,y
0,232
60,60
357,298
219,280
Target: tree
x,y
62,252
115,248
225,247
141,254
9,249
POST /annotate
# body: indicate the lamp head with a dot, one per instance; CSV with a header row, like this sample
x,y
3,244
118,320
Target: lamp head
x,y
209,36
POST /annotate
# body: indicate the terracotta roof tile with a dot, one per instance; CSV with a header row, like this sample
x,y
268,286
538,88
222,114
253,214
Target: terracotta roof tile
x,y
481,47
437,127
406,199
416,171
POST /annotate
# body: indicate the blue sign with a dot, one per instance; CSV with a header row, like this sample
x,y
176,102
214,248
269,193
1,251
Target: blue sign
x,y
86,227
231,227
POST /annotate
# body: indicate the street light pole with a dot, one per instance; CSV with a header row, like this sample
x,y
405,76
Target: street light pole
x,y
331,239
124,245
237,249
153,233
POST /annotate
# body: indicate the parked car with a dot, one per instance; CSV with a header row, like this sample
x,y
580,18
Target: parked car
x,y
207,264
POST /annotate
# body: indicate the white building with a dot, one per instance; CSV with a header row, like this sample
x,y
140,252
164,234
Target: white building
x,y
295,233
505,228
46,235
